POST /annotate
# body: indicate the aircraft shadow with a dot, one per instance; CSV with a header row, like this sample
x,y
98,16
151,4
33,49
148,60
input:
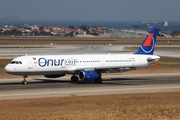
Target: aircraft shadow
x,y
50,81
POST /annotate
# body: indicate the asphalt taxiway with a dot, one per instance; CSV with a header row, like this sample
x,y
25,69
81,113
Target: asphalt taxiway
x,y
39,86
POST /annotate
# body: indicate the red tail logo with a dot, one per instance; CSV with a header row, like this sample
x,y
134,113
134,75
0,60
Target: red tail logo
x,y
148,40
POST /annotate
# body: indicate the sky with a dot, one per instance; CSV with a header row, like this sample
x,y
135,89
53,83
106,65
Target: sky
x,y
94,10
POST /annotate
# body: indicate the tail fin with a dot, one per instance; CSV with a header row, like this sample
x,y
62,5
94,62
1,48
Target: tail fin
x,y
149,43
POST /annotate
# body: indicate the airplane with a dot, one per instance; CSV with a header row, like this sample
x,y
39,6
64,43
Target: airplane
x,y
84,67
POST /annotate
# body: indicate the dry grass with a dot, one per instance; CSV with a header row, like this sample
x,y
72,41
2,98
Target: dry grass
x,y
81,41
148,106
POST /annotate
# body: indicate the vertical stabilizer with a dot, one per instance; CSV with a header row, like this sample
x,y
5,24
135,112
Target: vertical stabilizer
x,y
148,45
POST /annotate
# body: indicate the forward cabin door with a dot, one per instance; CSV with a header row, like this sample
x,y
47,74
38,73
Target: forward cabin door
x,y
30,63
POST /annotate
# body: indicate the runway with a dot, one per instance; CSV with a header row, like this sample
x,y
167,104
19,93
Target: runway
x,y
57,50
79,49
39,86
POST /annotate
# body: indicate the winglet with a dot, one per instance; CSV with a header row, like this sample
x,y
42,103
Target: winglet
x,y
149,43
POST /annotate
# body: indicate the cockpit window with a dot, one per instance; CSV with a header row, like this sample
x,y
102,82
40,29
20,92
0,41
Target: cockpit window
x,y
15,62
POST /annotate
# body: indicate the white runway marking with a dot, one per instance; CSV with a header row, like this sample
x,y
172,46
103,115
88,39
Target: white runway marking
x,y
89,91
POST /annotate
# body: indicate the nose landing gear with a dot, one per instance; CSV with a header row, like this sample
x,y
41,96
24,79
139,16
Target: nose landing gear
x,y
24,82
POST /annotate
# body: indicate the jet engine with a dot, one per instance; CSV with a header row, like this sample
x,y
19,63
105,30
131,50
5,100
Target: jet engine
x,y
89,75
54,76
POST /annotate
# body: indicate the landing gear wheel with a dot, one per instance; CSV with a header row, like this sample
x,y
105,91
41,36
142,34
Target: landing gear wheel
x,y
99,80
24,81
74,79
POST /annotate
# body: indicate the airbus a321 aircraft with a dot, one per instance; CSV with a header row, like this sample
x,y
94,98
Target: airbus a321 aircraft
x,y
84,67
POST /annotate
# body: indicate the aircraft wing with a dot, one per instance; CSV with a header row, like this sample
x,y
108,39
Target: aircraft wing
x,y
106,70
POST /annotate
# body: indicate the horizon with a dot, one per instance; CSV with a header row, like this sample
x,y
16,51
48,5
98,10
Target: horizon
x,y
172,25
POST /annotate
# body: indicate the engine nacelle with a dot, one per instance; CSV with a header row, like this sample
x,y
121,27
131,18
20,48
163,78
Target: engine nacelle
x,y
54,76
88,75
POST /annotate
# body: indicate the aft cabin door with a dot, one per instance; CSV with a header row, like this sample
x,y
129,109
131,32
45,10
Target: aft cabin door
x,y
139,61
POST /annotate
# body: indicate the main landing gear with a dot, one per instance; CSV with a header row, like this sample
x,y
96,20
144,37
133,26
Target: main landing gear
x,y
99,79
24,81
74,78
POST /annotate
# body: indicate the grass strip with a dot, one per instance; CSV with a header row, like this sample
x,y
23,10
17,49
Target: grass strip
x,y
163,105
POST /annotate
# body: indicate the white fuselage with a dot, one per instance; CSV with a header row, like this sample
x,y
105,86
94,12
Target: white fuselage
x,y
69,64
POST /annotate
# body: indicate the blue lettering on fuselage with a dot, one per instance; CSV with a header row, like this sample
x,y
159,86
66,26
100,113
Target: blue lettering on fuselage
x,y
50,62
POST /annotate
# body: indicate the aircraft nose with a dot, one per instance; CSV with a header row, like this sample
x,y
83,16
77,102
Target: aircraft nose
x,y
7,69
